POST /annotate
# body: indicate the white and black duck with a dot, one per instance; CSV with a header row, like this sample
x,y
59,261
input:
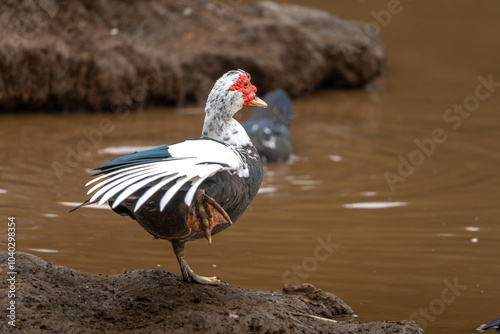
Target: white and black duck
x,y
191,189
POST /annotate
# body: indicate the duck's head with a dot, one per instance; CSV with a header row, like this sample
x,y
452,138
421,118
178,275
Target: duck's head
x,y
232,92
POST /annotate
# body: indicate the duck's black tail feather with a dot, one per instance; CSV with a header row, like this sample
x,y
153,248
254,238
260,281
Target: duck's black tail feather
x,y
79,206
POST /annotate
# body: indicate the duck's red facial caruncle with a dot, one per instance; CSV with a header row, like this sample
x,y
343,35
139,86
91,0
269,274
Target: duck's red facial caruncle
x,y
245,87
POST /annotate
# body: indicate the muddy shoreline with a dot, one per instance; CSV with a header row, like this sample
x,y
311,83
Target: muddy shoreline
x,y
51,298
116,56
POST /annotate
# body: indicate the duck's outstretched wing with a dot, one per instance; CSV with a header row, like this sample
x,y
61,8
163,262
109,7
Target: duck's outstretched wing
x,y
169,167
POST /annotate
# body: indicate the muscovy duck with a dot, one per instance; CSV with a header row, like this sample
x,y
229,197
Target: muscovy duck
x,y
494,324
269,129
195,188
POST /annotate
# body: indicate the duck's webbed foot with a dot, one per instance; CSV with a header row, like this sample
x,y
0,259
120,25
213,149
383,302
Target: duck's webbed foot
x,y
205,213
187,273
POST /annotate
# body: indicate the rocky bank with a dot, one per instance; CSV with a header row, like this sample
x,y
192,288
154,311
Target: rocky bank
x,y
55,299
118,55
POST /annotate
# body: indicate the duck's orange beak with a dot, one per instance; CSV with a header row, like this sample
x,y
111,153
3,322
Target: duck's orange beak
x,y
258,102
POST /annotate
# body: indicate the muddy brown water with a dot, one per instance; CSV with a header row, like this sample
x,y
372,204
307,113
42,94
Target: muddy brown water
x,y
426,248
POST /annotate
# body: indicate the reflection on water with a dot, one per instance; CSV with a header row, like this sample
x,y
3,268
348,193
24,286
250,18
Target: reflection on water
x,y
41,250
374,205
395,251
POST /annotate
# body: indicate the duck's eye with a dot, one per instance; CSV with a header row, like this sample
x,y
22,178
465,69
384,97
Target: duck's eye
x,y
245,84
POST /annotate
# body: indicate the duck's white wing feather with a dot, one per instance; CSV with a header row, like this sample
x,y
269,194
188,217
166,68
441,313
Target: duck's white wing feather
x,y
185,163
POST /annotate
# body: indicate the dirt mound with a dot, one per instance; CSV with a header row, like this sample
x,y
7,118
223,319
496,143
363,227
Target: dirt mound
x,y
117,55
51,298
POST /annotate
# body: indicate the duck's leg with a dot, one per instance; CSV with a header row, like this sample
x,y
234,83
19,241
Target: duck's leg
x,y
205,213
187,272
